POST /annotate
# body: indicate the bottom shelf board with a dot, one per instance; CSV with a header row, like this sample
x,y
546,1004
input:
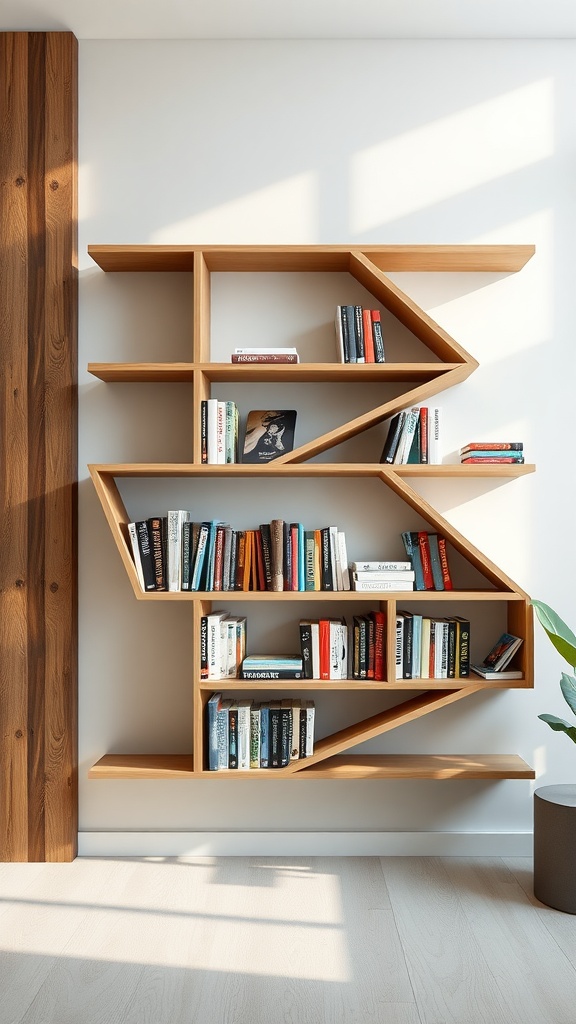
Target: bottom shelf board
x,y
343,766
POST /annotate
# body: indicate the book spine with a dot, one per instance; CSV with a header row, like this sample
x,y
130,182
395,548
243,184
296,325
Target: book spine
x,y
363,647
324,641
326,577
133,535
277,550
267,553
347,313
230,433
262,673
445,569
381,566
221,433
223,733
264,735
310,721
380,586
452,631
392,438
294,553
399,647
212,430
302,731
199,558
435,565
212,730
369,354
510,460
155,535
301,559
434,424
379,646
174,548
464,649
247,357
218,558
493,446
255,713
378,337
275,738
359,333
146,558
424,435
204,432
233,736
343,553
407,648
244,735
306,649
424,549
285,733
204,647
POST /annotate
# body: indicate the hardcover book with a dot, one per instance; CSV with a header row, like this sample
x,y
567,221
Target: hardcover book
x,y
269,434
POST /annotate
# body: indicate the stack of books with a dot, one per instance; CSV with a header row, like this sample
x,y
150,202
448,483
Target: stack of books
x,y
378,576
413,437
368,647
495,452
429,559
265,355
245,734
222,645
496,661
359,335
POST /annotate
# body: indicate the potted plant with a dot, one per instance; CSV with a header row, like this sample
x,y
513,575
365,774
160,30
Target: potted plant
x,y
555,806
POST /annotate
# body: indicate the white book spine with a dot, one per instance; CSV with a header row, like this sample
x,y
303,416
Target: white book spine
x,y
380,566
295,749
255,736
214,646
212,430
132,533
175,520
221,433
310,715
379,585
315,640
343,557
244,734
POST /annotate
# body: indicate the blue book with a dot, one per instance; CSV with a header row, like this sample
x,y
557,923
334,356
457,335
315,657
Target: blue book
x,y
410,541
199,557
435,561
264,734
212,709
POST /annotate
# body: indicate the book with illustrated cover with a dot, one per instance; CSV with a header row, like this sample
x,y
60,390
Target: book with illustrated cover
x,y
501,654
269,434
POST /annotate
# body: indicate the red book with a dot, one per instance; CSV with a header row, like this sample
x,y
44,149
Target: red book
x,y
493,461
425,559
493,446
368,339
256,357
379,645
424,434
444,563
324,645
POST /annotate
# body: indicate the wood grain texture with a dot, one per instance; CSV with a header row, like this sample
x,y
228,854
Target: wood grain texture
x,y
38,313
268,372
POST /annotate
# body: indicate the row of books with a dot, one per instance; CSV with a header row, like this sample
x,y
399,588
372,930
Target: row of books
x,y
492,452
244,734
174,553
432,648
266,354
428,556
269,433
359,335
414,437
219,425
222,645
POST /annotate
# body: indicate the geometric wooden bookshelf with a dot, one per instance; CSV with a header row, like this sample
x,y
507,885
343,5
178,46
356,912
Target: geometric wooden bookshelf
x,y
334,755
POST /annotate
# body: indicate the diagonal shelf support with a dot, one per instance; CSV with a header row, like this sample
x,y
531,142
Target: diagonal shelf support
x,y
400,714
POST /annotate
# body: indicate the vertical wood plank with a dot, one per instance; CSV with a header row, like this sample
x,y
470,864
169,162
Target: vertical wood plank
x,y
38,318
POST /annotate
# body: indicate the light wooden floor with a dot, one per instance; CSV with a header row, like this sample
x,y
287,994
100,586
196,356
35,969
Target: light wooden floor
x,y
282,941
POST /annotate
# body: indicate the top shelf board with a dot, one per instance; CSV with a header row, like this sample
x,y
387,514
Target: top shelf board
x,y
322,258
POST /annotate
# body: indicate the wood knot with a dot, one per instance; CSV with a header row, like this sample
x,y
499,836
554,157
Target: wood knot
x,y
20,181
53,587
54,185
19,734
19,583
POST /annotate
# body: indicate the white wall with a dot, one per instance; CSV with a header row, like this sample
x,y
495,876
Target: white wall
x,y
300,142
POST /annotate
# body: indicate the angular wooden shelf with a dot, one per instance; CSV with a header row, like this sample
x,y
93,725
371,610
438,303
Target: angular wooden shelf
x,y
449,364
350,766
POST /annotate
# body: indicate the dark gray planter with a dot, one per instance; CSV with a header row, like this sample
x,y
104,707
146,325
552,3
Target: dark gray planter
x,y
555,847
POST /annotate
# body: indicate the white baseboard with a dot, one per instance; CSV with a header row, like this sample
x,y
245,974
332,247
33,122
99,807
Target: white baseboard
x,y
304,844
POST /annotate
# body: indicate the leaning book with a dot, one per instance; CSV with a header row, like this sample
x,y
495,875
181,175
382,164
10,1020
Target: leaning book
x,y
269,434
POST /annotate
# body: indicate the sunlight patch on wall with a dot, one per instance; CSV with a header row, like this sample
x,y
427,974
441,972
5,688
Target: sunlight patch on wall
x,y
283,213
452,155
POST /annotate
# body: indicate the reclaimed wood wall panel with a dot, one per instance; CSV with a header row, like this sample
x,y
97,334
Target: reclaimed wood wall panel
x,y
38,446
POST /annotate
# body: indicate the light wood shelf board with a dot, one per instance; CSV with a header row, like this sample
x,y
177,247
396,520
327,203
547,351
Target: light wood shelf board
x,y
425,258
268,372
458,470
342,596
350,685
142,766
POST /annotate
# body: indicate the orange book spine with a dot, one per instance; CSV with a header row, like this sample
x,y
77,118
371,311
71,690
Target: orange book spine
x,y
368,338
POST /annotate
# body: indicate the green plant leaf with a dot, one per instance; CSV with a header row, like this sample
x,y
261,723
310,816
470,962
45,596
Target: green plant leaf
x,y
560,634
568,687
559,725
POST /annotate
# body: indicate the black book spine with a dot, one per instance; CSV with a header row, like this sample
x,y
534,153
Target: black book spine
x,y
275,743
204,432
378,339
267,553
233,560
302,738
146,555
233,737
359,334
306,649
271,673
464,649
285,736
391,442
451,649
347,335
155,538
327,582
